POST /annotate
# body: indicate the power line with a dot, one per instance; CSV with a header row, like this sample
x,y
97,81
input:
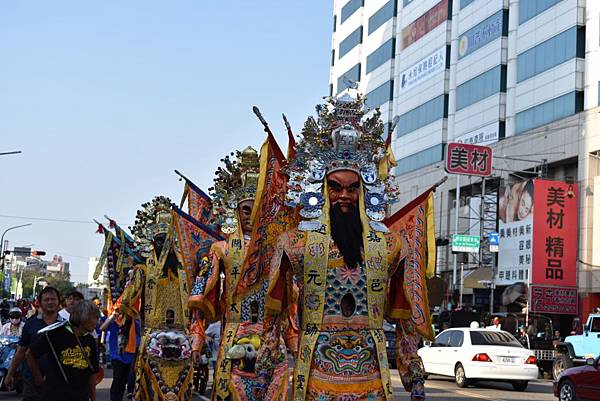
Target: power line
x,y
48,219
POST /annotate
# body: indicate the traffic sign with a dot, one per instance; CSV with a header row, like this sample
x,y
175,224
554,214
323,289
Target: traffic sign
x,y
467,159
465,243
494,239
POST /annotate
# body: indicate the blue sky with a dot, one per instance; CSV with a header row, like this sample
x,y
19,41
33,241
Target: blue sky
x,y
105,99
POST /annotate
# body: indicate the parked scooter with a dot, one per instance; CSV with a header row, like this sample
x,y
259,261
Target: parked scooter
x,y
8,347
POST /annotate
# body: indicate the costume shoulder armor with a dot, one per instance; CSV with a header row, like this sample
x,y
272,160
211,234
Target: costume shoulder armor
x,y
53,326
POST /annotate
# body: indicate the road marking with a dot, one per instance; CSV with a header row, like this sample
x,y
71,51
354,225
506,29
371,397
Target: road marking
x,y
431,384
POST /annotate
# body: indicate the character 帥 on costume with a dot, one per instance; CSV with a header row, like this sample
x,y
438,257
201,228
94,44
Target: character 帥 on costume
x,y
348,265
241,312
164,363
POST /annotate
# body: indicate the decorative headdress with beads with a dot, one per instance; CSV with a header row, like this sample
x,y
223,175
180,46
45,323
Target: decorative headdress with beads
x,y
152,219
235,182
341,139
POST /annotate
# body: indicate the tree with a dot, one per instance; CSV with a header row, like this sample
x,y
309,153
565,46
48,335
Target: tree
x,y
60,281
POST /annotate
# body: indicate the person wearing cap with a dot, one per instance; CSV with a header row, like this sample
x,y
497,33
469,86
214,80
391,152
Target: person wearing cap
x,y
15,326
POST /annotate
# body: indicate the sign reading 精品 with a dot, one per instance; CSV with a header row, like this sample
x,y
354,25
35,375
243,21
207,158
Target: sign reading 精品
x,y
555,234
462,158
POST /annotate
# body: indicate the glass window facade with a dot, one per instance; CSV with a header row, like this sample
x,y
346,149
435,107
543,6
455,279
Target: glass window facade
x,y
423,158
382,15
349,9
384,53
350,42
464,3
530,8
482,86
380,95
547,112
407,2
332,57
422,115
548,54
352,75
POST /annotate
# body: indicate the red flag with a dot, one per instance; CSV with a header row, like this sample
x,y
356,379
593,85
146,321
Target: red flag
x,y
194,240
271,216
408,293
199,203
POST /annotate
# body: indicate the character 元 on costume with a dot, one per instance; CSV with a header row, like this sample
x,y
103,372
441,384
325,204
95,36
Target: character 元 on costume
x,y
164,363
241,313
348,265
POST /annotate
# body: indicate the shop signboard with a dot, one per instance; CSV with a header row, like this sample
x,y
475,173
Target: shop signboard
x,y
462,158
538,233
562,300
425,23
515,223
485,135
555,234
480,35
423,69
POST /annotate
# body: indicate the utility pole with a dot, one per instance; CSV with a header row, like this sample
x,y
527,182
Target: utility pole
x,y
2,242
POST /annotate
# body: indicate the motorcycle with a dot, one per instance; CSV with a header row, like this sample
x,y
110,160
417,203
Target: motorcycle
x,y
8,347
201,371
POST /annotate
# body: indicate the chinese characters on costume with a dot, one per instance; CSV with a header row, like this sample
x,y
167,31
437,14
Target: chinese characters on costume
x,y
349,267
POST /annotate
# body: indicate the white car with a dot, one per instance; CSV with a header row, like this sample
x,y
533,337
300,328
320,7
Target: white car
x,y
471,354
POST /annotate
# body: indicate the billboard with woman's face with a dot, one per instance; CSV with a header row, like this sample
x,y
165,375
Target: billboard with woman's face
x,y
515,213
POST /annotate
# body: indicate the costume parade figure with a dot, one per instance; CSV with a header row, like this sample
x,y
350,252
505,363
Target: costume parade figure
x,y
164,363
348,265
241,313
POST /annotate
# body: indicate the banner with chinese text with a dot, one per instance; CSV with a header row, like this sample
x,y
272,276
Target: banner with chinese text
x,y
555,234
554,300
515,215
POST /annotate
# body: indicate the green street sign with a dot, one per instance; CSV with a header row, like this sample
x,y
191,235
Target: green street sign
x,y
465,243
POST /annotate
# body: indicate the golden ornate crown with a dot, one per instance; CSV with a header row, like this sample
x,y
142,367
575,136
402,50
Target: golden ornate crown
x,y
340,139
152,219
235,182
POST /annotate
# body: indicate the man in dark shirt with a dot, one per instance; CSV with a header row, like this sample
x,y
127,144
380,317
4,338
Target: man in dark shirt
x,y
49,301
73,356
121,360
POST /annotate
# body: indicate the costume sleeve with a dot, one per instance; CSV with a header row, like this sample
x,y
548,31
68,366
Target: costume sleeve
x,y
279,298
410,367
205,293
129,302
398,305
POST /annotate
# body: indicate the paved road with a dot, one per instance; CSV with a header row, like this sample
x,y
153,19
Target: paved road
x,y
438,388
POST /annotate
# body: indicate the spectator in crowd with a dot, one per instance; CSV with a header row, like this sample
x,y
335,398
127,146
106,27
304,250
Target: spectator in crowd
x,y
119,331
213,339
72,354
15,326
72,298
49,301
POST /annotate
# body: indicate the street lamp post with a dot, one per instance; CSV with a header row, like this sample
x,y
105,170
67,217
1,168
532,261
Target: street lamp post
x,y
2,242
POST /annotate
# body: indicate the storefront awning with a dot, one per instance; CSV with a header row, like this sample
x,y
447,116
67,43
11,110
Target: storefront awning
x,y
477,275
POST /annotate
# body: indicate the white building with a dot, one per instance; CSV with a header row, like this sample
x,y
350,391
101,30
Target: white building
x,y
521,75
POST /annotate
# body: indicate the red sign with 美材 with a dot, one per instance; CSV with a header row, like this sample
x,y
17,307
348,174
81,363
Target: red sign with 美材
x,y
463,158
554,234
